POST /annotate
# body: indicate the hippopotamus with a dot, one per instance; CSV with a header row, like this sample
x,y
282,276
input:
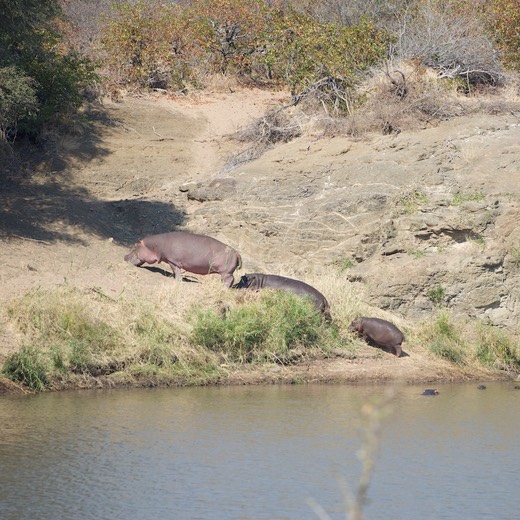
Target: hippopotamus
x,y
198,254
431,391
257,281
380,331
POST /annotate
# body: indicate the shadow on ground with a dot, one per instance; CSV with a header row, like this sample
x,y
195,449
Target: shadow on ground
x,y
38,201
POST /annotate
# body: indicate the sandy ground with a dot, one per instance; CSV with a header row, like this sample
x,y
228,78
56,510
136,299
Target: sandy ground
x,y
71,221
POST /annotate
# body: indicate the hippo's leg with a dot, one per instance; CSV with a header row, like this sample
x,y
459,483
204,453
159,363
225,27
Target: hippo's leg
x,y
228,279
177,273
398,350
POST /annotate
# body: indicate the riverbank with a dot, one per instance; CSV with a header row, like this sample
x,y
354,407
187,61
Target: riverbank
x,y
361,219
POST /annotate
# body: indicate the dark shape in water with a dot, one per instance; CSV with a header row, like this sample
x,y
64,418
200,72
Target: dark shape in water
x,y
481,387
430,391
517,387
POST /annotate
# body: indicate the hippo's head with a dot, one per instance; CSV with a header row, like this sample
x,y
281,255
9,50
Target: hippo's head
x,y
356,325
133,256
244,282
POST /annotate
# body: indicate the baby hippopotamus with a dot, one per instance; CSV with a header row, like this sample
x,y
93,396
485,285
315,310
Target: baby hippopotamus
x,y
379,331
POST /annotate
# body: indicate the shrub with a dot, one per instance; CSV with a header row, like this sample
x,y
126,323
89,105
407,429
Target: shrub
x,y
17,100
324,58
504,18
147,44
28,366
232,34
496,349
274,328
38,66
444,340
448,36
257,40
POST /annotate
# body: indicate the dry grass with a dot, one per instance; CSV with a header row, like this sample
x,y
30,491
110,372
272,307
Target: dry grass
x,y
71,336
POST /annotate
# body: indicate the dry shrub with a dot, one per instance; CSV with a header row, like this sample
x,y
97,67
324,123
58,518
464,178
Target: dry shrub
x,y
280,125
276,126
449,37
401,95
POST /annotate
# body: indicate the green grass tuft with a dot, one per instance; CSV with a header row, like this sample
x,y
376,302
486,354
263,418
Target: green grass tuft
x,y
496,349
29,366
445,340
274,328
462,198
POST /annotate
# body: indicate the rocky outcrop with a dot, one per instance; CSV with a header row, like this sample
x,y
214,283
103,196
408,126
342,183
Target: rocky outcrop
x,y
422,220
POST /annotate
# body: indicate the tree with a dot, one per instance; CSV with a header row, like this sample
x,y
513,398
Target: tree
x,y
41,78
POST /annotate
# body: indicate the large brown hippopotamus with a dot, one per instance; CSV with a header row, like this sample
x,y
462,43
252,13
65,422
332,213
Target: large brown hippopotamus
x,y
257,281
198,254
379,331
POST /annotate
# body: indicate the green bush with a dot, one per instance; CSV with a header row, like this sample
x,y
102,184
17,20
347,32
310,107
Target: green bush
x,y
444,340
147,44
496,349
47,77
232,35
61,80
255,39
302,51
18,99
504,19
274,328
29,366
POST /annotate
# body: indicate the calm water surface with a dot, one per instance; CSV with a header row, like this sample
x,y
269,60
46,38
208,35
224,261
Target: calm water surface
x,y
258,453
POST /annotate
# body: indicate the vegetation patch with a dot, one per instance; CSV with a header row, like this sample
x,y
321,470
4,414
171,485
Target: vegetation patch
x,y
437,294
29,366
461,198
444,339
411,201
71,334
279,327
495,348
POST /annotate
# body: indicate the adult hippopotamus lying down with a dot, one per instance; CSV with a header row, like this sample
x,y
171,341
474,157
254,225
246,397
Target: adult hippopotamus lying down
x,y
257,281
379,331
198,254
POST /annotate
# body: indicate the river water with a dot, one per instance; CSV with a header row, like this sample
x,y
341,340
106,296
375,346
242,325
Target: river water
x,y
269,452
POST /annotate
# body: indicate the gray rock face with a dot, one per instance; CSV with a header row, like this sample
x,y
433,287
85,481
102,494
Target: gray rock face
x,y
425,220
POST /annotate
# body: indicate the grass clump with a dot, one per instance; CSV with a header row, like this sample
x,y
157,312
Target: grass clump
x,y
496,349
515,256
343,264
437,294
63,329
276,327
29,366
444,339
411,201
462,198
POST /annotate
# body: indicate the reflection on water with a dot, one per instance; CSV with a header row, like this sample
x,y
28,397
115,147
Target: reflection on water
x,y
257,453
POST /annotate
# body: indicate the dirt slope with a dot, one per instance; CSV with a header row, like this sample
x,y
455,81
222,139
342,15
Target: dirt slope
x,y
154,164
